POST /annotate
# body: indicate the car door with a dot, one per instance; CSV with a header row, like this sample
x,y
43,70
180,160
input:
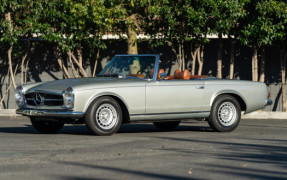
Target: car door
x,y
174,97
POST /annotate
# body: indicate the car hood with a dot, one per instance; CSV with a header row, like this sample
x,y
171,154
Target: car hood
x,y
87,83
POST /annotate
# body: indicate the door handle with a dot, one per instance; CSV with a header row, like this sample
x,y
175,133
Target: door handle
x,y
200,87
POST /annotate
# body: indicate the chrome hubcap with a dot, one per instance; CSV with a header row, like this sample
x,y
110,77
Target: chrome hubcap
x,y
227,113
106,116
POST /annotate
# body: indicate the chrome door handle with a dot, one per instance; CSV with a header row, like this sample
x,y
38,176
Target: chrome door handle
x,y
200,87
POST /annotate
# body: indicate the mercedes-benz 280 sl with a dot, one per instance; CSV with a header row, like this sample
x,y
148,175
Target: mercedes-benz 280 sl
x,y
135,88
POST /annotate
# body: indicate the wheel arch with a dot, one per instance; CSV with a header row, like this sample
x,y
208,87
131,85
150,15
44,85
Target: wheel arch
x,y
122,103
234,94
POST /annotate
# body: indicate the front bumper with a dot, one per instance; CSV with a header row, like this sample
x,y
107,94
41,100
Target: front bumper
x,y
268,102
50,113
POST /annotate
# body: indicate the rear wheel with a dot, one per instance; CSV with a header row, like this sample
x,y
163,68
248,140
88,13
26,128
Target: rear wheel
x,y
225,114
45,126
104,116
166,126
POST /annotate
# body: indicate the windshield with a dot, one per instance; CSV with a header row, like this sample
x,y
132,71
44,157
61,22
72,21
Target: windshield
x,y
130,66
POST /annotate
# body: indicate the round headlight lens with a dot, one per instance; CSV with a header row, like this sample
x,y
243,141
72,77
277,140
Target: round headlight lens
x,y
19,96
68,96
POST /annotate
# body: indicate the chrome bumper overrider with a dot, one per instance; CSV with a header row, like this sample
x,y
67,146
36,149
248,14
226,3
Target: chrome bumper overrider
x,y
268,102
50,113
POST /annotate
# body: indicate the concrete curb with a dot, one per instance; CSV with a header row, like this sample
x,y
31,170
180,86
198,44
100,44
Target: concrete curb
x,y
265,115
8,112
253,115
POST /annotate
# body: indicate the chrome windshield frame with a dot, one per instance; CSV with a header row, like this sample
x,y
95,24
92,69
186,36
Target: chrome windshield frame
x,y
156,65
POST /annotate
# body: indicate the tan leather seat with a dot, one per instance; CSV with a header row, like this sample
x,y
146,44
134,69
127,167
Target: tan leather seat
x,y
177,74
182,75
172,77
185,74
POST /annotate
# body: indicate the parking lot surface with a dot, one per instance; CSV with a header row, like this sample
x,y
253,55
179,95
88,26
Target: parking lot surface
x,y
257,149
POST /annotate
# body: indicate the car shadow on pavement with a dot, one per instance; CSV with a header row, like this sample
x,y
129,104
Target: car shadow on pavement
x,y
125,128
145,128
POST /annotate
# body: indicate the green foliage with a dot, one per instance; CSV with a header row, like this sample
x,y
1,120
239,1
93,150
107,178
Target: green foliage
x,y
224,15
178,21
23,23
73,23
127,13
70,24
265,22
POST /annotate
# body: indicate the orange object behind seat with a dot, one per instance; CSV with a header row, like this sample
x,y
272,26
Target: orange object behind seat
x,y
185,74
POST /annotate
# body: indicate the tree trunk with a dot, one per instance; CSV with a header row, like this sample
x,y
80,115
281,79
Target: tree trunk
x,y
11,66
72,65
132,40
175,53
80,60
23,63
8,18
200,59
23,67
8,88
232,59
219,60
283,58
96,62
182,56
61,64
194,55
255,63
81,69
262,65
26,71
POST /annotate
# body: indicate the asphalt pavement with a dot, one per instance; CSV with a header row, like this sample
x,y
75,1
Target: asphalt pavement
x,y
257,149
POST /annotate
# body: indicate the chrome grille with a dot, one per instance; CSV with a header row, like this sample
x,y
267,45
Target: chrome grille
x,y
40,99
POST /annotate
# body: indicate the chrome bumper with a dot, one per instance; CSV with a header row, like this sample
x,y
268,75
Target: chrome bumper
x,y
268,102
50,113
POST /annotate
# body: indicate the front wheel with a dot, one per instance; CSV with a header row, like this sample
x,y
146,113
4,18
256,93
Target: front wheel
x,y
104,116
225,114
46,127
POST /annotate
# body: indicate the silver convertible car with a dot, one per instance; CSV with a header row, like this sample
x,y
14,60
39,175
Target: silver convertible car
x,y
135,88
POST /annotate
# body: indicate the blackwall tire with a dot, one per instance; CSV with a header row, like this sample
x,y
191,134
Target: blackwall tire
x,y
46,127
225,114
104,116
166,126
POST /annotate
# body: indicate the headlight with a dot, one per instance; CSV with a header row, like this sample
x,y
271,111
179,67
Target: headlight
x,y
19,96
68,96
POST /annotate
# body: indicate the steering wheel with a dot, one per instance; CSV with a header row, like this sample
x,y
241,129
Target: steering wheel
x,y
142,71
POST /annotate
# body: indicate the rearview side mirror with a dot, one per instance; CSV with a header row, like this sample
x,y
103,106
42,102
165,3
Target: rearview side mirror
x,y
163,75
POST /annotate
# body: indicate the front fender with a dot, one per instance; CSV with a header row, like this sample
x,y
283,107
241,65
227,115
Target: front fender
x,y
95,96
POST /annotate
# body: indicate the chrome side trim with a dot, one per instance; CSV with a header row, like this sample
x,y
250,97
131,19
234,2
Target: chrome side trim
x,y
50,113
168,113
167,116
